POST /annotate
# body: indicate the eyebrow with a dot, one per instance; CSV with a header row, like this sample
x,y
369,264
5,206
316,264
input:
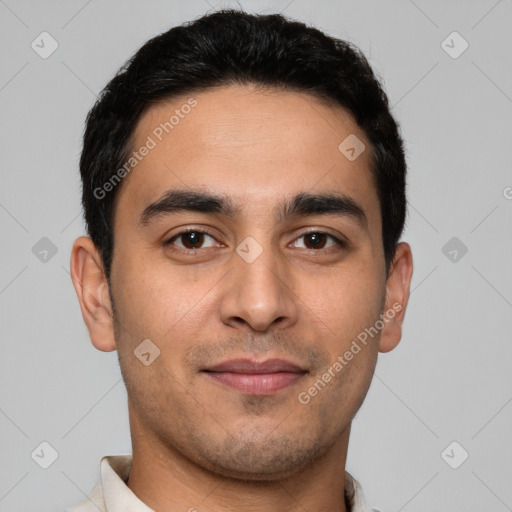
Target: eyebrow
x,y
302,204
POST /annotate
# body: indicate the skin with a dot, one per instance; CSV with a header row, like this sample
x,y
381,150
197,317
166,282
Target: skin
x,y
196,442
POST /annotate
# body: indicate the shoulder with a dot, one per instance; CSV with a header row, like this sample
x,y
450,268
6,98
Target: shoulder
x,y
93,503
355,496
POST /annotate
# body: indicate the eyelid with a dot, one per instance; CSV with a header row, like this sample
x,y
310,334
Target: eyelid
x,y
184,231
340,241
325,231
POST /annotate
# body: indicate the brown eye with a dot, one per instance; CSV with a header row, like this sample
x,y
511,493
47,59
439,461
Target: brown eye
x,y
319,240
315,240
190,240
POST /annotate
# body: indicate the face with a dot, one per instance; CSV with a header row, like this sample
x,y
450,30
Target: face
x,y
248,250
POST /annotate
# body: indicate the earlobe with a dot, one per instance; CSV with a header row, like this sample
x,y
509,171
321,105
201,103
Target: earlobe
x,y
91,287
397,297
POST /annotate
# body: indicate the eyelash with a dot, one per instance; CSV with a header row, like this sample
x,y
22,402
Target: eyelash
x,y
340,243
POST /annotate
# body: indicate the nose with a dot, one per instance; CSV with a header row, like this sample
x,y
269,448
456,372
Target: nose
x,y
258,296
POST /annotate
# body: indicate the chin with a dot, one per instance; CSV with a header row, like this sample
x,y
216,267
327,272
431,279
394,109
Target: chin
x,y
265,460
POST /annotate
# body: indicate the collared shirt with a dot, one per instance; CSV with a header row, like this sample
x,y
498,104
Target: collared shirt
x,y
112,494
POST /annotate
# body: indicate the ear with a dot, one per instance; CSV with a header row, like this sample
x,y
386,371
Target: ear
x,y
91,287
397,296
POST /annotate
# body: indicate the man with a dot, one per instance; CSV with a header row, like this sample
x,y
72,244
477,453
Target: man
x,y
244,193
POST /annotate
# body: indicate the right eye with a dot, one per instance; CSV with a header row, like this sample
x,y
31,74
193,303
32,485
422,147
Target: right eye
x,y
191,240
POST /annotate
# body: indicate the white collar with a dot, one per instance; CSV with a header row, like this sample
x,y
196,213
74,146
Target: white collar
x,y
113,495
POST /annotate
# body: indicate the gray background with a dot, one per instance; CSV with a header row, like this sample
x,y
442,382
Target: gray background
x,y
448,380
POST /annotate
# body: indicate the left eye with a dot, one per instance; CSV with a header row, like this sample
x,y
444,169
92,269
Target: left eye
x,y
318,240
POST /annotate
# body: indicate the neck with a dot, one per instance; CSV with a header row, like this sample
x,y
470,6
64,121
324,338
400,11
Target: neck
x,y
165,480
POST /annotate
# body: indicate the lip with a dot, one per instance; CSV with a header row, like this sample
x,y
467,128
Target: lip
x,y
244,365
256,377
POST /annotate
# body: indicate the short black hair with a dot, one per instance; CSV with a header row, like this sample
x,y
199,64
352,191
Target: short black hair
x,y
229,47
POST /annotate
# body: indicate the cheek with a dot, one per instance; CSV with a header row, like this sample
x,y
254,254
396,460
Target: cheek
x,y
158,300
346,300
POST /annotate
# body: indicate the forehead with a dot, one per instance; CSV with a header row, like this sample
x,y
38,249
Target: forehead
x,y
255,145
